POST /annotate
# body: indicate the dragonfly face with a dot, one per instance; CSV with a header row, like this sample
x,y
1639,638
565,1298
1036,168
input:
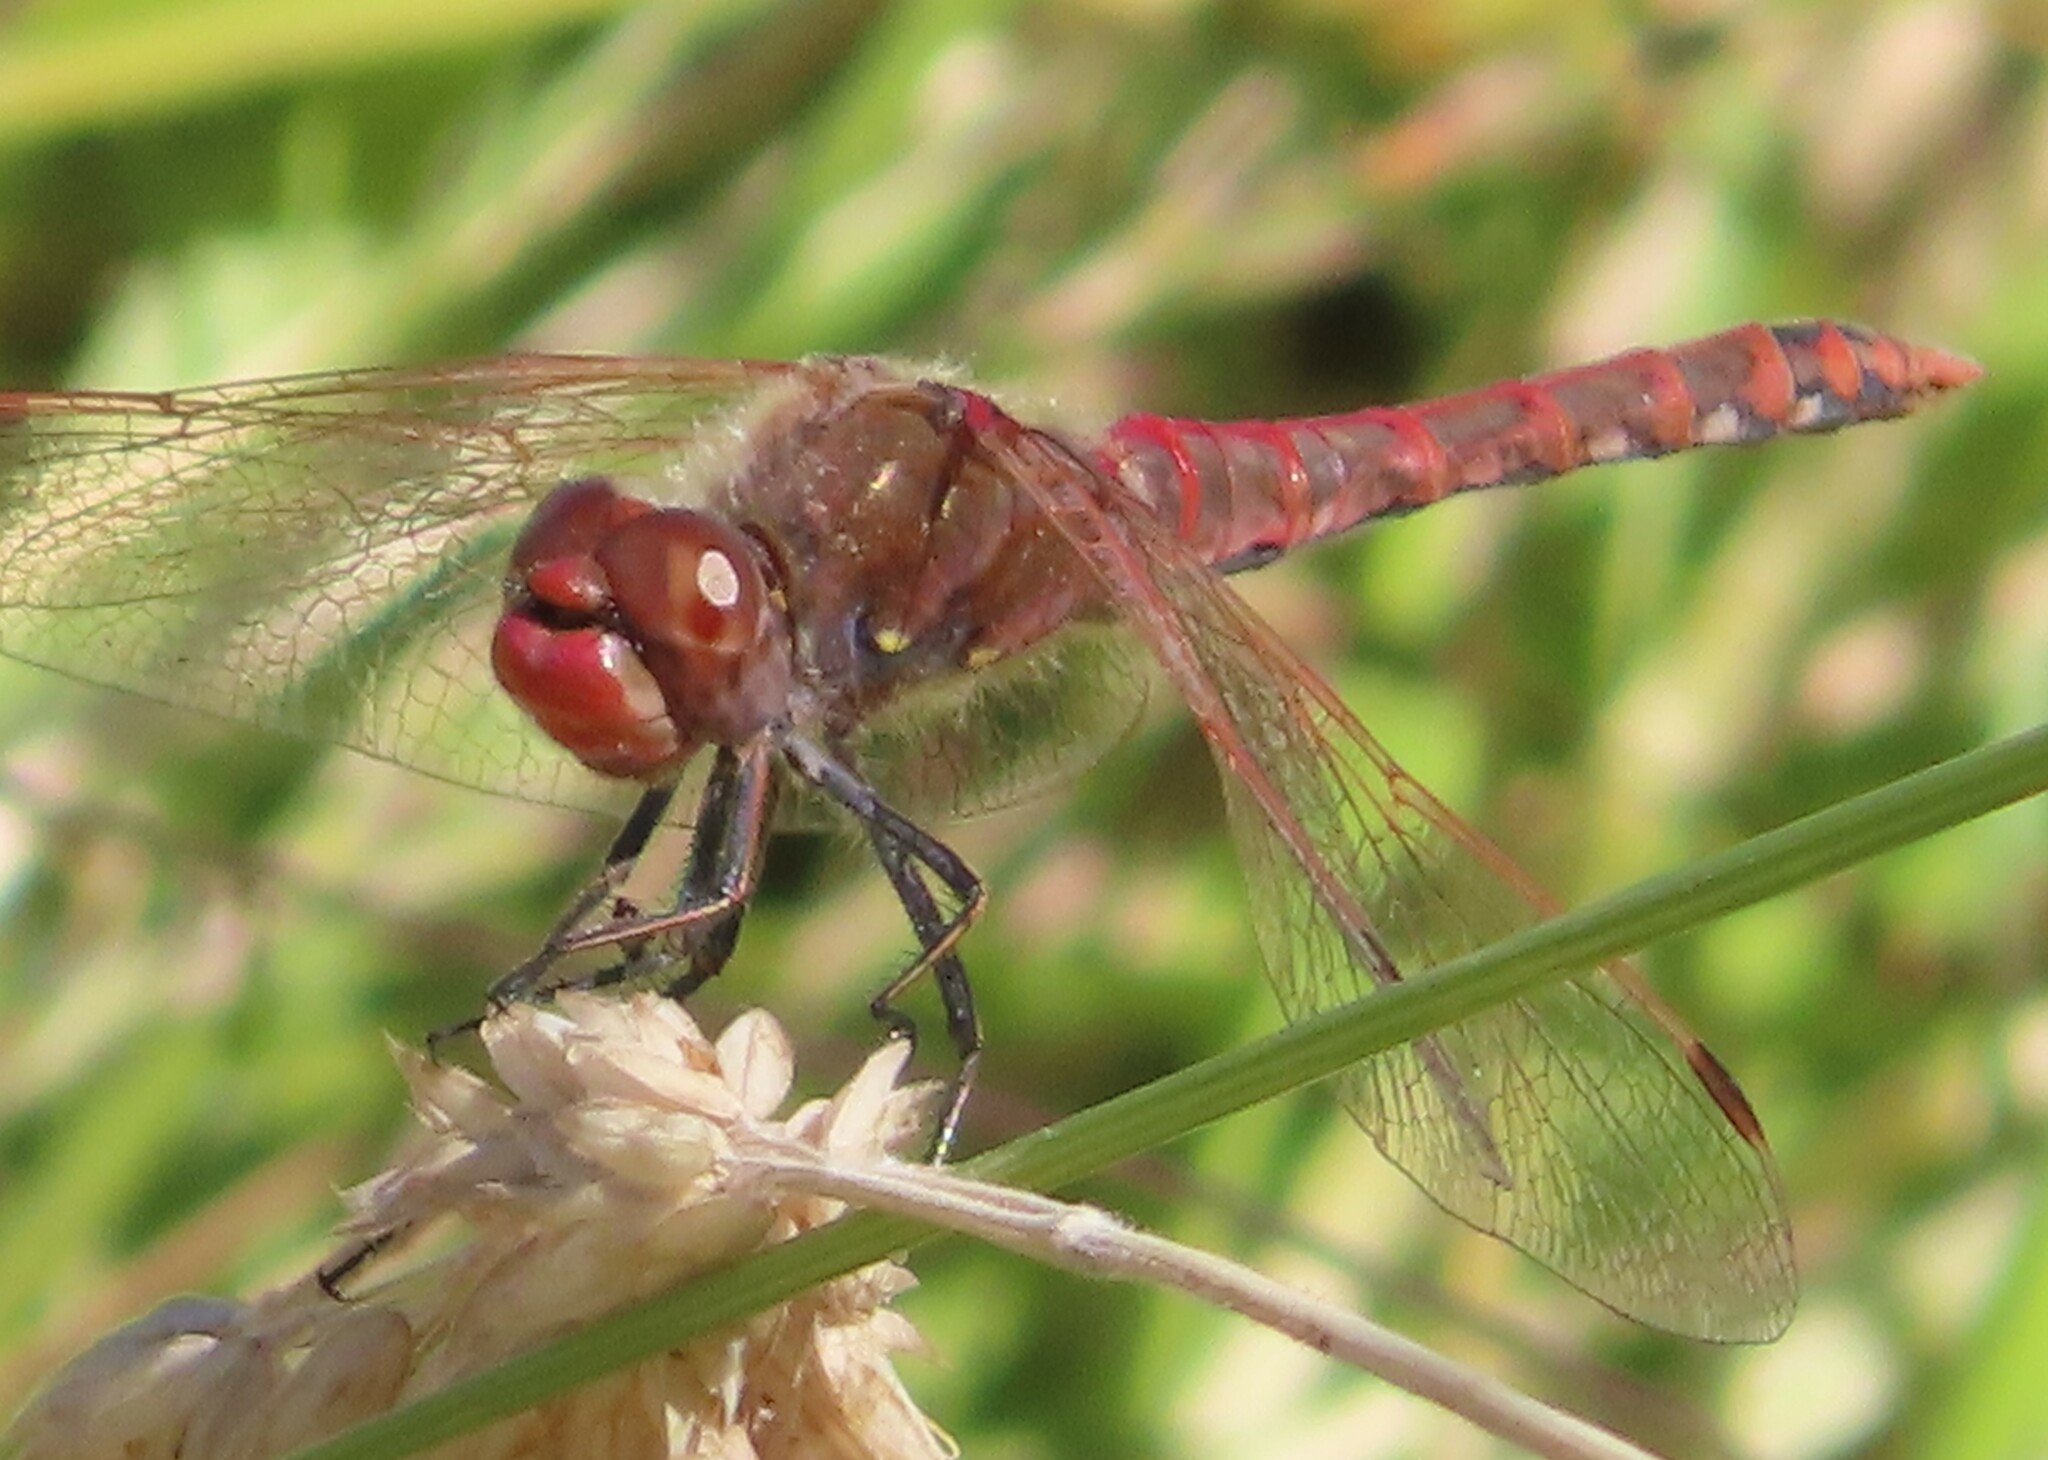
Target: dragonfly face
x,y
635,635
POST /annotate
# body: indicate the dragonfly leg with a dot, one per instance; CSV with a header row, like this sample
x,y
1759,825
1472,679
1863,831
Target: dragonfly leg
x,y
725,867
902,847
331,1275
956,995
728,831
725,852
522,981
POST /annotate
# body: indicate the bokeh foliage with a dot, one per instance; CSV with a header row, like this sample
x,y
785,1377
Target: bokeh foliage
x,y
1202,208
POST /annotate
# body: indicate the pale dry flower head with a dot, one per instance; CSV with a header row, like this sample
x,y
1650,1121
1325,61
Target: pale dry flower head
x,y
613,1168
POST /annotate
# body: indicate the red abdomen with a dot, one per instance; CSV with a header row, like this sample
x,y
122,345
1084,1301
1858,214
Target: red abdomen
x,y
1243,491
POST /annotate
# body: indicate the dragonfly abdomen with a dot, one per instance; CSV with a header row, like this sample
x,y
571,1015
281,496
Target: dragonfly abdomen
x,y
1241,492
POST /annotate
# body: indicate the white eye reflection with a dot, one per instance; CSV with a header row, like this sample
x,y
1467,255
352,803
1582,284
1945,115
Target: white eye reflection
x,y
718,580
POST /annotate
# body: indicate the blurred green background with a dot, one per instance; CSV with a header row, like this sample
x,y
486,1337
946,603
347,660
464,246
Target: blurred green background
x,y
1228,209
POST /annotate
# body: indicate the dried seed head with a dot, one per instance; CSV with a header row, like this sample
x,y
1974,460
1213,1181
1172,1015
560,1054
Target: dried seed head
x,y
608,1173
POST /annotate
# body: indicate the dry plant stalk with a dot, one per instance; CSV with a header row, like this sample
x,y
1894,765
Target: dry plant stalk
x,y
608,1175
634,1152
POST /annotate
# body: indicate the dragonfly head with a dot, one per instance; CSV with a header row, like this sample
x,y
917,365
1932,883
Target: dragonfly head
x,y
634,634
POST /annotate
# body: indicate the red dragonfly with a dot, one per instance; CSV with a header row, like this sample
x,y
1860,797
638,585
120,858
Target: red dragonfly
x,y
886,592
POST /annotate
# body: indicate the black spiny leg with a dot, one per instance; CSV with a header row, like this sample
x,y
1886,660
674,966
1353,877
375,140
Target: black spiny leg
x,y
726,851
902,847
724,864
522,981
619,858
331,1275
956,995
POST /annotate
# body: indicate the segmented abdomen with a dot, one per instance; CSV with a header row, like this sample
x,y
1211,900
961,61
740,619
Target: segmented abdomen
x,y
1241,492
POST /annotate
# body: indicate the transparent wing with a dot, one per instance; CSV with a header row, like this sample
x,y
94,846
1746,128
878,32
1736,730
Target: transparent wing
x,y
1583,1124
322,555
970,743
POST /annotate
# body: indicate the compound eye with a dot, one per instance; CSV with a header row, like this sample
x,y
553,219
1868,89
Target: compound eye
x,y
572,520
686,580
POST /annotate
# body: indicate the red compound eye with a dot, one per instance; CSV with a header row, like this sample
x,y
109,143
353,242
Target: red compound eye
x,y
572,520
687,582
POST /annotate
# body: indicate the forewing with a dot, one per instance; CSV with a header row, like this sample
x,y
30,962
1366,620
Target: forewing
x,y
1582,1123
323,555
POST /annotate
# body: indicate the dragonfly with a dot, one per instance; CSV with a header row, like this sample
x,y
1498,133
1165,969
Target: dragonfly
x,y
767,588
